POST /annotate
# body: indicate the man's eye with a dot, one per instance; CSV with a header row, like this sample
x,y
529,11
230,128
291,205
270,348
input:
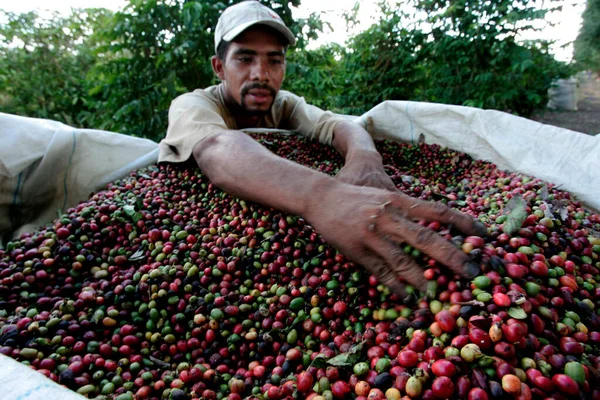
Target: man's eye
x,y
245,59
276,61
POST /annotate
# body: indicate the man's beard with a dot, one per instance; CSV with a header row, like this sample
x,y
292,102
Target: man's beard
x,y
256,85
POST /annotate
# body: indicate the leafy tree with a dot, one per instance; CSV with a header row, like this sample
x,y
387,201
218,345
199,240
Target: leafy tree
x,y
44,63
120,72
315,75
587,44
474,53
382,63
462,52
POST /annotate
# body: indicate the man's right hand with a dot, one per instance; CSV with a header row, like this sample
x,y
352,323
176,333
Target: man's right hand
x,y
370,226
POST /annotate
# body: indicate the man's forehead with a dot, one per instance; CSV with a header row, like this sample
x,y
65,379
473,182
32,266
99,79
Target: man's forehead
x,y
241,49
260,34
256,48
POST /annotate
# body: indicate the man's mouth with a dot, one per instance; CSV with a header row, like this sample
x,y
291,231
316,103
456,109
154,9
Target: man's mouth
x,y
259,95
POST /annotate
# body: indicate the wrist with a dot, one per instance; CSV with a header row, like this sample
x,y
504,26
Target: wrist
x,y
317,190
363,156
349,138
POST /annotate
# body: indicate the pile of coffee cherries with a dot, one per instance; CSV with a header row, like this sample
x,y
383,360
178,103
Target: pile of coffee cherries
x,y
163,286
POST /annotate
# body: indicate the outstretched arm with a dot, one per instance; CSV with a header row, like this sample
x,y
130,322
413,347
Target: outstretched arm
x,y
366,224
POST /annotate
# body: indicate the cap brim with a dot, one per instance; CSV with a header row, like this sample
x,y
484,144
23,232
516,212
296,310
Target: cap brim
x,y
273,24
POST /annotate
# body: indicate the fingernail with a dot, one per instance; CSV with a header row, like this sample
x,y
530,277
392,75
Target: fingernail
x,y
481,228
471,269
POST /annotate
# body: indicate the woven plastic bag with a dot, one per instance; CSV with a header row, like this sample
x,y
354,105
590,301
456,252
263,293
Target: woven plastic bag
x,y
566,158
47,167
18,382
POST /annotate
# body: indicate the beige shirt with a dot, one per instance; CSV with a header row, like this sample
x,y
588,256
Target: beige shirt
x,y
201,113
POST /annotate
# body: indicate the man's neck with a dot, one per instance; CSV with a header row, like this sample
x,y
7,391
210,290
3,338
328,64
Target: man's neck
x,y
246,121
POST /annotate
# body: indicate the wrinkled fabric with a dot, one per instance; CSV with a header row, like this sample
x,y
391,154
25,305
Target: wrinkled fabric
x,y
19,382
560,156
47,167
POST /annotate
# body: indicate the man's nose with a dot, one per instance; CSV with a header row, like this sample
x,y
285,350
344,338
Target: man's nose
x,y
260,71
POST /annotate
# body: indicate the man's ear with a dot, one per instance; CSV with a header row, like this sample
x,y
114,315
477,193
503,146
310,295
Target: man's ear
x,y
217,66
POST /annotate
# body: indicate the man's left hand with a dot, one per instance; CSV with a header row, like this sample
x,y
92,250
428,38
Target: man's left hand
x,y
364,168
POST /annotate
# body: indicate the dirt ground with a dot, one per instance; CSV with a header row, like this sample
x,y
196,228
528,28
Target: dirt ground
x,y
586,119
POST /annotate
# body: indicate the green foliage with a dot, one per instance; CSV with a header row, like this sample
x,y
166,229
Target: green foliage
x,y
157,50
587,44
471,72
44,63
382,63
120,72
315,75
467,56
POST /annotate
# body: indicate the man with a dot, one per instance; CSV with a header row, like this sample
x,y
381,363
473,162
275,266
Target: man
x,y
359,212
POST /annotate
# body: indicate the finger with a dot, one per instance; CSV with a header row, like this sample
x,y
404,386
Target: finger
x,y
432,211
402,230
382,180
383,272
400,264
387,183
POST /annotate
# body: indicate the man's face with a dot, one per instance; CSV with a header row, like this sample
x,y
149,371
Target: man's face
x,y
253,70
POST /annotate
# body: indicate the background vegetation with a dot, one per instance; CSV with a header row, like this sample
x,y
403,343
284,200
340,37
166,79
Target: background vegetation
x,y
587,44
120,71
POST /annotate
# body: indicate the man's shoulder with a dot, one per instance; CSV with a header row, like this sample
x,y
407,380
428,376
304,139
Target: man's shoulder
x,y
206,93
200,97
285,99
284,94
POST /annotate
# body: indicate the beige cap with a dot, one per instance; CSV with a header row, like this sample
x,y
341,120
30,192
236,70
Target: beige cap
x,y
241,16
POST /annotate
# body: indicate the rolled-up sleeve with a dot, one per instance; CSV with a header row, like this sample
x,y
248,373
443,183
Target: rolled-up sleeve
x,y
192,118
308,120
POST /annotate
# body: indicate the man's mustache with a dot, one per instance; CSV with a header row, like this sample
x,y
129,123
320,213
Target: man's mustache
x,y
258,85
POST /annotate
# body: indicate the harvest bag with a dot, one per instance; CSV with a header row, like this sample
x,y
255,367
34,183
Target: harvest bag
x,y
47,167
